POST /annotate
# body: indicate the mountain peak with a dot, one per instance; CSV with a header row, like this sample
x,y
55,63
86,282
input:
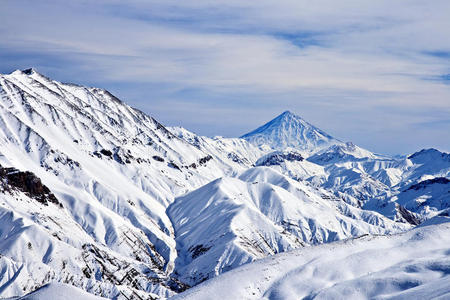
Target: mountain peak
x,y
29,71
430,154
290,130
286,113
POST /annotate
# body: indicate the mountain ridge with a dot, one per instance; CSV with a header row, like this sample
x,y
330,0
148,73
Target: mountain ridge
x,y
133,194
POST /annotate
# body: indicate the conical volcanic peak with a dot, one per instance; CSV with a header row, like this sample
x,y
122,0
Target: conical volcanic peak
x,y
290,130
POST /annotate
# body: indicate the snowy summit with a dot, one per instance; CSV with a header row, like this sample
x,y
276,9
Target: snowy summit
x,y
290,130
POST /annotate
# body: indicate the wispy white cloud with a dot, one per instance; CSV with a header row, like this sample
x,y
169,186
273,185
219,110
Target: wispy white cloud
x,y
356,68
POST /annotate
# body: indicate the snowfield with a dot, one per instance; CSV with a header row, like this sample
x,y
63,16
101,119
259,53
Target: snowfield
x,y
58,291
411,265
100,196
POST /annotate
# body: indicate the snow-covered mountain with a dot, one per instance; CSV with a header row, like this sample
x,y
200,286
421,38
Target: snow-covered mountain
x,y
101,196
113,169
290,130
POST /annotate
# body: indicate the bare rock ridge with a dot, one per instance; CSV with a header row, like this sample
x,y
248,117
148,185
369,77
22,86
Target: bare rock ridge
x,y
28,183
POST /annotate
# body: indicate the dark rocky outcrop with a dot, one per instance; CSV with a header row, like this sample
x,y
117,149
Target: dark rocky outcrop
x,y
198,250
406,216
28,183
423,184
158,158
236,158
205,159
276,158
106,152
174,166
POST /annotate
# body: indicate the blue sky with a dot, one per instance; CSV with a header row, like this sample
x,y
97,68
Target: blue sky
x,y
372,72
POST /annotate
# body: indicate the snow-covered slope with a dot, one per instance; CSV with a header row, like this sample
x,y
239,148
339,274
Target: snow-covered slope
x,y
234,153
57,291
290,130
113,169
342,153
231,221
412,265
426,197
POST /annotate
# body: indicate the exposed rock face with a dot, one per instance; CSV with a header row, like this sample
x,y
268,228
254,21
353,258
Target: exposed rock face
x,y
28,183
278,157
421,185
406,216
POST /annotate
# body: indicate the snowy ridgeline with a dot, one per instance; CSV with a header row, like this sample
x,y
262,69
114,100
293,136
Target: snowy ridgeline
x,y
56,291
98,195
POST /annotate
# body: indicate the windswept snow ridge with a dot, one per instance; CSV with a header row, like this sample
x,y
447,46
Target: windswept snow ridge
x,y
57,291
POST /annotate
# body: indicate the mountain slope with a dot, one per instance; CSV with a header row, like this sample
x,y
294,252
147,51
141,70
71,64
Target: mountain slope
x,y
56,291
418,183
231,221
405,266
40,242
234,153
289,130
113,169
342,153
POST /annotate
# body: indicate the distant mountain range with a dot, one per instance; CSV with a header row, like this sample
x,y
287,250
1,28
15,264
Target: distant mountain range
x,y
103,197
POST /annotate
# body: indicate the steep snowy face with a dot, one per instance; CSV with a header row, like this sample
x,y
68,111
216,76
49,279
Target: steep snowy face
x,y
114,170
290,130
41,242
428,197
